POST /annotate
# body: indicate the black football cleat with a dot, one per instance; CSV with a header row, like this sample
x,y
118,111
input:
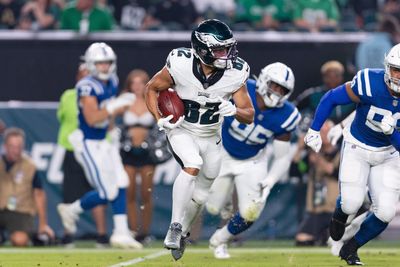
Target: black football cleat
x,y
336,229
178,253
351,257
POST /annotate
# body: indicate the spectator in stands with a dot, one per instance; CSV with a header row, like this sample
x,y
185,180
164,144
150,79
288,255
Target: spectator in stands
x,y
216,9
21,192
392,7
174,15
75,184
85,16
132,14
332,76
371,52
366,13
259,14
9,13
39,15
316,15
322,191
139,138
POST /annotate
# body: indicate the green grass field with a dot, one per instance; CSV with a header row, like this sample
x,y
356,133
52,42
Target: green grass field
x,y
252,254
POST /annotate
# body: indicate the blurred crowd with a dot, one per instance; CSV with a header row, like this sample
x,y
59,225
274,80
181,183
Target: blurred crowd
x,y
242,15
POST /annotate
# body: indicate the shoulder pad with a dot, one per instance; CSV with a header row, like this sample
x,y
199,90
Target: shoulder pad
x,y
178,60
89,86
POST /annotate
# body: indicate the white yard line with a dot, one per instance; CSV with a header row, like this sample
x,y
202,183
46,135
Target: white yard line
x,y
141,259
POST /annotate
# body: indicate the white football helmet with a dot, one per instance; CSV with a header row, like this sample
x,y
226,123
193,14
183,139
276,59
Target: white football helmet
x,y
280,74
100,52
392,59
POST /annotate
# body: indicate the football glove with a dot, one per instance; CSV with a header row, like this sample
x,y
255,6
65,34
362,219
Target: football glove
x,y
226,108
387,124
124,100
313,140
165,124
335,133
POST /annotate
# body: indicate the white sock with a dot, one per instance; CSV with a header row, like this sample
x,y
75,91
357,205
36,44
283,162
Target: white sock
x,y
120,223
76,207
182,193
191,213
354,226
224,235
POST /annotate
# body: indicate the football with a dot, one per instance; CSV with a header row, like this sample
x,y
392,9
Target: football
x,y
169,103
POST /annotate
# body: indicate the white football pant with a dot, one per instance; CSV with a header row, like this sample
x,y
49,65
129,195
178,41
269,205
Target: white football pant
x,y
246,176
379,170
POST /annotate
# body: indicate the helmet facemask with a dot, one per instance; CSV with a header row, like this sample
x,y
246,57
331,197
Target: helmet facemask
x,y
100,53
275,84
392,63
270,94
392,82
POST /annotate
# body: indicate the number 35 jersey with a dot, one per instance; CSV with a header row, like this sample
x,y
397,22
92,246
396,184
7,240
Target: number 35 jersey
x,y
375,102
201,95
244,141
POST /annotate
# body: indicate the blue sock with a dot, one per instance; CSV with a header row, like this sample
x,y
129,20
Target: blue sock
x,y
369,229
119,204
91,199
237,224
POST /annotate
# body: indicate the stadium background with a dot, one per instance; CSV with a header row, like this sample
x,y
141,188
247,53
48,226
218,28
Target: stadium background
x,y
40,66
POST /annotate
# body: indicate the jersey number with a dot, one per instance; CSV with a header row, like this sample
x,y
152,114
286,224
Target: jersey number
x,y
192,112
252,134
184,52
375,116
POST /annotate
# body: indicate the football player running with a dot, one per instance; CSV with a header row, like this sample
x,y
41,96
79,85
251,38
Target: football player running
x,y
98,157
370,154
244,163
205,77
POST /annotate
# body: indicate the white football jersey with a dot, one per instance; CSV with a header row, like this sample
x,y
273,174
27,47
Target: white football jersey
x,y
201,95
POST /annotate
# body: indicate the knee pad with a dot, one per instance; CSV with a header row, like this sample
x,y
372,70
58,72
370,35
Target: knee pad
x,y
350,205
112,193
202,189
385,213
251,212
213,209
200,196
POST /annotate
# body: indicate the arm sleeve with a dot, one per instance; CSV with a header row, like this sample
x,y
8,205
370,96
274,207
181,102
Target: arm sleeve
x,y
329,101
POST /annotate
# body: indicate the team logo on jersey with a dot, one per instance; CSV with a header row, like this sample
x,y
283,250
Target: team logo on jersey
x,y
203,94
260,117
395,103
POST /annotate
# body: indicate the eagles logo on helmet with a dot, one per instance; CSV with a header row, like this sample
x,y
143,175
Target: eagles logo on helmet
x,y
214,45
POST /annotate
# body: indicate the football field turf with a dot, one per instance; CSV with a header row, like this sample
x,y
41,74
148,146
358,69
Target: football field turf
x,y
252,255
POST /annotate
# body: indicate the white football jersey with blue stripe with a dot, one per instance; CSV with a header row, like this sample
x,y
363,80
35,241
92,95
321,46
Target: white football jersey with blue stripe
x,y
375,102
244,141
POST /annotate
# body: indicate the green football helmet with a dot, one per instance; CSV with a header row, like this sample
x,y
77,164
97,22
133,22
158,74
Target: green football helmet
x,y
213,43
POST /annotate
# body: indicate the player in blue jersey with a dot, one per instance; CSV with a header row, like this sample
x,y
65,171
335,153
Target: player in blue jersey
x,y
244,162
100,160
370,154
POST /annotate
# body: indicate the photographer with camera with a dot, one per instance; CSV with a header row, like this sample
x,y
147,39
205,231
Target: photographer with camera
x,y
21,192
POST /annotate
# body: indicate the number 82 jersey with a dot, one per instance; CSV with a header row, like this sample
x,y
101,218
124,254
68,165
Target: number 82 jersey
x,y
200,94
